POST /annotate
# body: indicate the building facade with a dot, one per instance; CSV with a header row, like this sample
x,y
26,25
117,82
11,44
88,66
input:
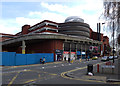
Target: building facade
x,y
106,46
71,39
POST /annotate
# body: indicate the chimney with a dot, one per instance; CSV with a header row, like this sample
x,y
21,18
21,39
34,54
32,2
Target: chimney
x,y
25,29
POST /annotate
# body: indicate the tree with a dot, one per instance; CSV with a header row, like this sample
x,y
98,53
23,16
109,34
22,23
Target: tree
x,y
112,13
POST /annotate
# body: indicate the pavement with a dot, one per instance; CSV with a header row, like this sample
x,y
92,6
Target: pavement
x,y
105,77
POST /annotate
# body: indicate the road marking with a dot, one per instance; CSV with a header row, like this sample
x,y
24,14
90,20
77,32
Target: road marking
x,y
13,79
30,81
53,74
25,70
63,74
115,82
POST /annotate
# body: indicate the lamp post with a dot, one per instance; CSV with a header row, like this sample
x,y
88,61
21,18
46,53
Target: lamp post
x,y
113,41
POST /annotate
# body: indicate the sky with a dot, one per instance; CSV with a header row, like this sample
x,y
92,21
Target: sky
x,y
14,13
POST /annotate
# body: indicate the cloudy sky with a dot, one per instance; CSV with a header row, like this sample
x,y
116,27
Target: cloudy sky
x,y
17,13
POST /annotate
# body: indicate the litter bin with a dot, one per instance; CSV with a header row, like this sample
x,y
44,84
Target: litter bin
x,y
90,68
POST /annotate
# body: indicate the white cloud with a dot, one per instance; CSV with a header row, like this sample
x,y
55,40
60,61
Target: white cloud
x,y
55,7
22,21
9,26
48,16
13,26
78,10
56,13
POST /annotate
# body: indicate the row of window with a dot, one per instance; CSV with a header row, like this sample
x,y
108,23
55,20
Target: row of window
x,y
44,29
43,24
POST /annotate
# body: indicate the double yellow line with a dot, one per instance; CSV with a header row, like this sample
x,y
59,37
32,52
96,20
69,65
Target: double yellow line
x,y
63,75
13,79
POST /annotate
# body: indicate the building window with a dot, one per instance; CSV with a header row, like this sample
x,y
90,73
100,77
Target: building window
x,y
52,25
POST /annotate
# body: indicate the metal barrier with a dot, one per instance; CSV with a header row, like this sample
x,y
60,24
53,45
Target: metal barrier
x,y
13,59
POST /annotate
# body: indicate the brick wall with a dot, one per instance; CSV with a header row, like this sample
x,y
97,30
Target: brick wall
x,y
45,46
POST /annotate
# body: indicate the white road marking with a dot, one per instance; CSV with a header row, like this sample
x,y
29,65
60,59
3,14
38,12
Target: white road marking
x,y
15,71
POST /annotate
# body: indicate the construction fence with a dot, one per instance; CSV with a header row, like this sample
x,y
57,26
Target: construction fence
x,y
14,59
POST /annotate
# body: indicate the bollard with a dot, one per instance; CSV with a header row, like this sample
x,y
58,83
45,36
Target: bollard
x,y
90,68
106,63
98,68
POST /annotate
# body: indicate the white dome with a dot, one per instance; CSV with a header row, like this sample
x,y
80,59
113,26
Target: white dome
x,y
74,19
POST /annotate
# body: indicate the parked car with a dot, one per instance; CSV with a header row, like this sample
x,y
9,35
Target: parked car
x,y
105,58
110,57
116,57
94,58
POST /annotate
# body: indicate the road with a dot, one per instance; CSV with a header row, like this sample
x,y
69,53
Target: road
x,y
49,73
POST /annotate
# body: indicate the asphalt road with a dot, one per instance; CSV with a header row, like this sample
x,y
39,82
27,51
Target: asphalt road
x,y
49,73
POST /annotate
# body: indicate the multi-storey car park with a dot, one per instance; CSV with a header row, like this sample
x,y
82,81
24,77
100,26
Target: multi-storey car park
x,y
68,39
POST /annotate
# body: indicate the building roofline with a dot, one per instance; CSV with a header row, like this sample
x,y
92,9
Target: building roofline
x,y
48,36
44,21
7,34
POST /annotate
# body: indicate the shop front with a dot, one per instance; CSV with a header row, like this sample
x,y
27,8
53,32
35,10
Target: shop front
x,y
78,54
58,55
73,55
65,55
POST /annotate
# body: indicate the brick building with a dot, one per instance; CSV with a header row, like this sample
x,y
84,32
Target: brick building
x,y
106,46
69,39
4,36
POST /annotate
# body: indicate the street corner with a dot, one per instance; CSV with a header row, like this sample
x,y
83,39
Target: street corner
x,y
84,77
113,81
94,78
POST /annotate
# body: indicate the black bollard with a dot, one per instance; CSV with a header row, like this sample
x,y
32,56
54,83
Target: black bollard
x,y
89,68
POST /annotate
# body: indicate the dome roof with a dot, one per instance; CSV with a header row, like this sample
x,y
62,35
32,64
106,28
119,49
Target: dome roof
x,y
74,19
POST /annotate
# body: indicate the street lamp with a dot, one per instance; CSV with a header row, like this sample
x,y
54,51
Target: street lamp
x,y
113,41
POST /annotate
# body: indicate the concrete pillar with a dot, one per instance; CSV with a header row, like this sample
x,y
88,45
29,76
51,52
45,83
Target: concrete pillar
x,y
81,50
76,50
70,51
85,50
23,47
